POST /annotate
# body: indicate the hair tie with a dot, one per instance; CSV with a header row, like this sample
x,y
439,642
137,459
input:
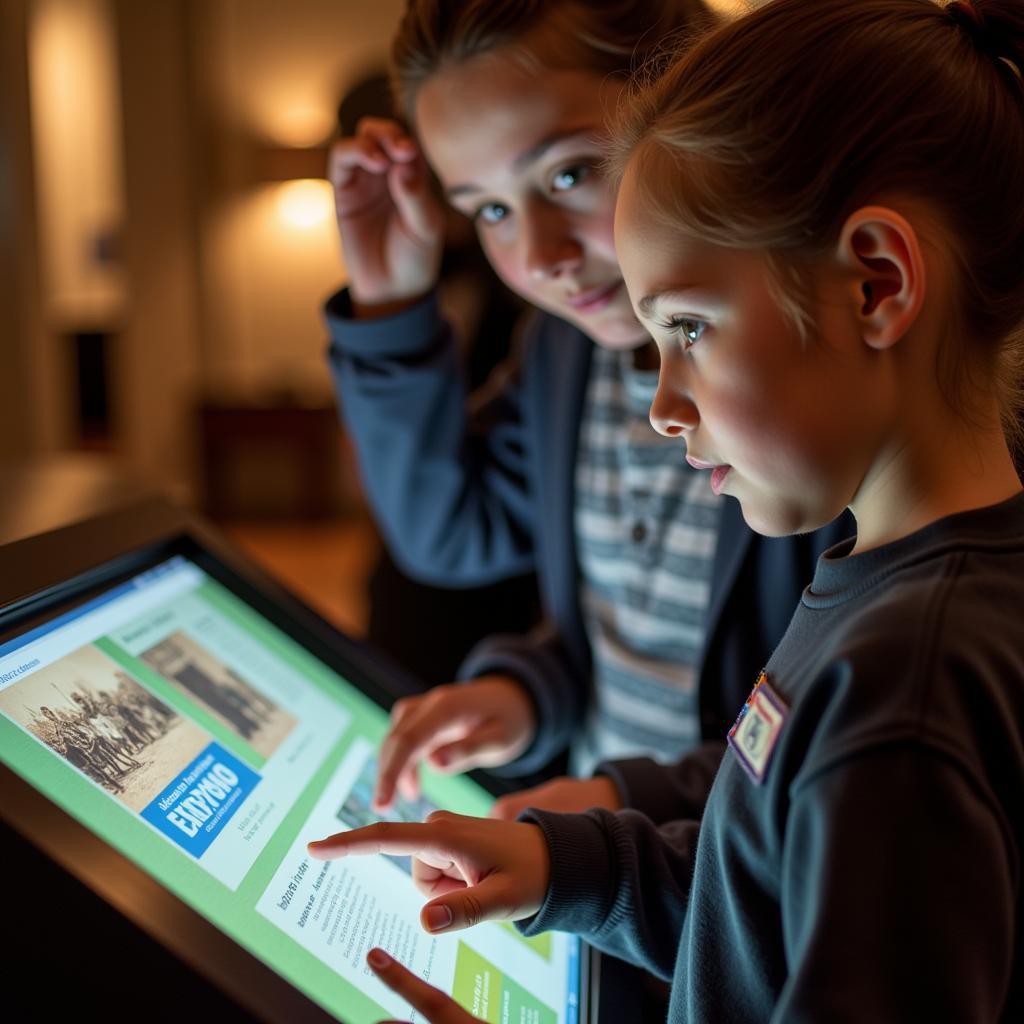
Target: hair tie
x,y
966,15
968,18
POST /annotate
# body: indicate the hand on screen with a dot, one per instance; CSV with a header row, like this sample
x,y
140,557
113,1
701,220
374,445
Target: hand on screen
x,y
391,224
432,1003
455,727
475,869
567,796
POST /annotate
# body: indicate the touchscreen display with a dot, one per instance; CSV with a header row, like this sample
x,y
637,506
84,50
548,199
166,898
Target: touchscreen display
x,y
202,742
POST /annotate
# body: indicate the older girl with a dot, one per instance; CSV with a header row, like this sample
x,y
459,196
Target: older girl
x,y
660,602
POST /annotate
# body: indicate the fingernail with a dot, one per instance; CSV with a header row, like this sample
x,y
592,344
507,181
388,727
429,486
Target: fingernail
x,y
378,958
438,916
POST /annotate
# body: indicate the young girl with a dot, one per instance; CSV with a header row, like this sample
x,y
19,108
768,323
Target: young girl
x,y
826,242
660,602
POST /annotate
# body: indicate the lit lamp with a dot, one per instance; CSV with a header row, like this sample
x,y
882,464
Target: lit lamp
x,y
304,203
304,197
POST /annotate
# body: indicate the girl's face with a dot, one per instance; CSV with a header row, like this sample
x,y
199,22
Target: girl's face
x,y
519,151
781,423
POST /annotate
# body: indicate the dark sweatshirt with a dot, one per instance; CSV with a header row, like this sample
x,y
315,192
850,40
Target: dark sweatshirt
x,y
859,858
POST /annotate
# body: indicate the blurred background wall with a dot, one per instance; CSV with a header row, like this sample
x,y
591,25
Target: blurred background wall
x,y
166,242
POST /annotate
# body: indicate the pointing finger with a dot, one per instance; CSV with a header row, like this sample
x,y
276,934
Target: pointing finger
x,y
436,1007
392,837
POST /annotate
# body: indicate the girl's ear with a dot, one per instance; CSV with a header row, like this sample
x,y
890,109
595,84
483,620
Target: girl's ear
x,y
881,250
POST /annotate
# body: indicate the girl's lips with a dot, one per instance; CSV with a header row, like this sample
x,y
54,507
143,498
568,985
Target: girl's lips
x,y
718,473
594,299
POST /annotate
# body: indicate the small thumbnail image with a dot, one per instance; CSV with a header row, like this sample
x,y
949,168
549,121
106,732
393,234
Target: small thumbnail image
x,y
197,673
357,809
104,723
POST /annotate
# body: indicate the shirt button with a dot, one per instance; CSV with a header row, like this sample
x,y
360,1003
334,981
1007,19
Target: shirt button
x,y
639,532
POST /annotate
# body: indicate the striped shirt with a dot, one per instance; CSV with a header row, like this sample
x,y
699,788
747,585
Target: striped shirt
x,y
646,526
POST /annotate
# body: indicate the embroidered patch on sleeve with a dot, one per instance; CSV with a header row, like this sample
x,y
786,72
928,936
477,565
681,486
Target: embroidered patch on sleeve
x,y
756,730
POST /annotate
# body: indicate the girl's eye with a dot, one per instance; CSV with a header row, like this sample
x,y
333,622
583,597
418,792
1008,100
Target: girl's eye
x,y
491,213
570,177
690,330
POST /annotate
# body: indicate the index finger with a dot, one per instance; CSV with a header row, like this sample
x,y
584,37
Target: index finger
x,y
436,1007
411,737
399,838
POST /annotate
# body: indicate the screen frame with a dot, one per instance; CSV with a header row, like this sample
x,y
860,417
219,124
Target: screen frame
x,y
54,572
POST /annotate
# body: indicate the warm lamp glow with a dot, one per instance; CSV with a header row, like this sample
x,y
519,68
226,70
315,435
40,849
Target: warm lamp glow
x,y
296,121
304,204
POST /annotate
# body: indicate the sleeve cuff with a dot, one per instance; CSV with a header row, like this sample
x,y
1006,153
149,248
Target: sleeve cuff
x,y
406,333
641,785
666,792
581,873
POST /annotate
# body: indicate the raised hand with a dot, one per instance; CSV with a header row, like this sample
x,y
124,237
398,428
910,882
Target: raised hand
x,y
390,222
455,727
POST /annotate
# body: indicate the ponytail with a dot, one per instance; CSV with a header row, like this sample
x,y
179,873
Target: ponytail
x,y
996,29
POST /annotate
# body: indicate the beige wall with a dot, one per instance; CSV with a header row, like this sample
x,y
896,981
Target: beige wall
x,y
152,117
77,147
274,75
33,388
229,300
157,356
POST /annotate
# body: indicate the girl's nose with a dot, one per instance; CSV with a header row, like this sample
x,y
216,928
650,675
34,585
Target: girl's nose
x,y
673,411
550,249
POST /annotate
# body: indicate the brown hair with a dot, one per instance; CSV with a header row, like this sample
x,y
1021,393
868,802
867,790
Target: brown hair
x,y
786,121
607,36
